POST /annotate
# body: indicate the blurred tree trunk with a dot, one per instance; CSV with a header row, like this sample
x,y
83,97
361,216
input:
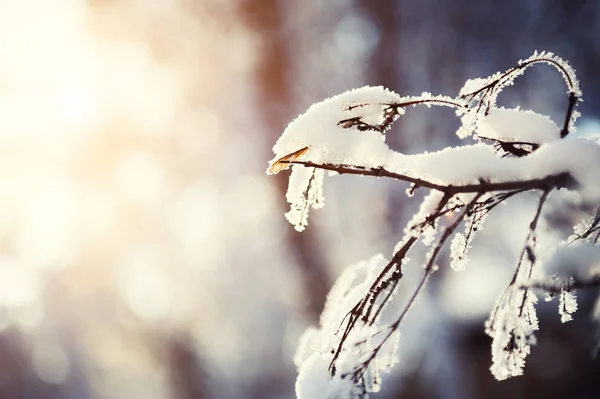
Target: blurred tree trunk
x,y
274,76
13,366
18,379
185,368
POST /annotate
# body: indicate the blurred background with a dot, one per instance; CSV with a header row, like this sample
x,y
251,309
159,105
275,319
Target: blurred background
x,y
143,250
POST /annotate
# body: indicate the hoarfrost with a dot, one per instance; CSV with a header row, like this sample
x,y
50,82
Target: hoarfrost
x,y
461,243
315,352
348,129
512,329
346,133
420,225
305,190
513,320
567,306
481,93
458,250
587,230
315,381
515,125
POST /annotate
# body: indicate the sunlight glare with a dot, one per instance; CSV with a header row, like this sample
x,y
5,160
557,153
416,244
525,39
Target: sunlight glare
x,y
48,236
143,284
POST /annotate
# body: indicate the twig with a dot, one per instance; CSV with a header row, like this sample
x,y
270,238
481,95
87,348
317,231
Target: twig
x,y
359,372
551,181
526,251
568,285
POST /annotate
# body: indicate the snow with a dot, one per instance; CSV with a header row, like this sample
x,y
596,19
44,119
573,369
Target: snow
x,y
346,129
316,347
347,133
319,125
567,306
349,129
461,243
305,190
516,125
512,333
319,129
482,93
314,381
458,249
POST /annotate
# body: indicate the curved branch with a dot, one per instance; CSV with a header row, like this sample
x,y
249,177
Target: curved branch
x,y
521,67
570,108
568,76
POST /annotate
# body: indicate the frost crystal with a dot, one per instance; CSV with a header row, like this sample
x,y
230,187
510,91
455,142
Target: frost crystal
x,y
419,226
305,190
586,230
567,306
512,328
513,321
458,254
461,243
348,133
481,93
315,352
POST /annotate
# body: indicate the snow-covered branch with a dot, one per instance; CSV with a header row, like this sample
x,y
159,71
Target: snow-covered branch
x,y
561,180
515,151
